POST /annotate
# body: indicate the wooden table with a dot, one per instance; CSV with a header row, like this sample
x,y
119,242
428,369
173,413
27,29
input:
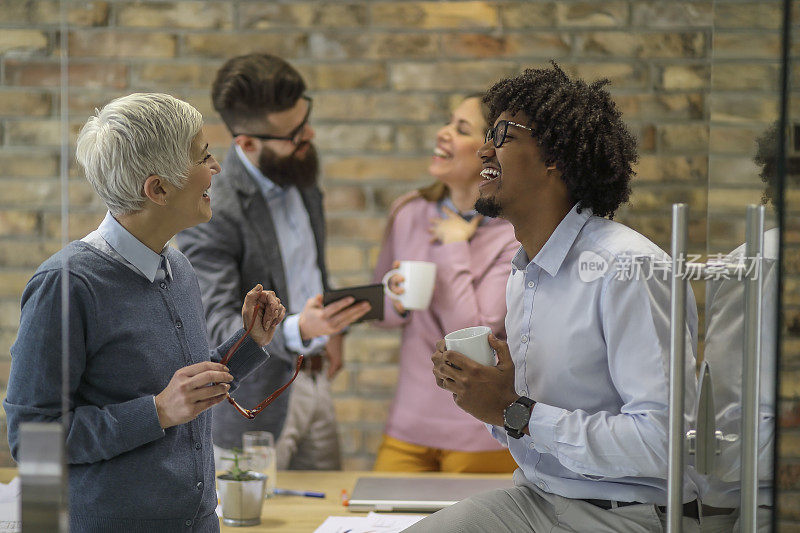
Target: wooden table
x,y
298,514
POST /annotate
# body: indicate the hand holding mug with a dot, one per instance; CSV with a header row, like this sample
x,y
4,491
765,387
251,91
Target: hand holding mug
x,y
393,284
483,391
472,342
410,284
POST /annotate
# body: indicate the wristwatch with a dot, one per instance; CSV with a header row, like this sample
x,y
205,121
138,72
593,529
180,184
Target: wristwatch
x,y
516,416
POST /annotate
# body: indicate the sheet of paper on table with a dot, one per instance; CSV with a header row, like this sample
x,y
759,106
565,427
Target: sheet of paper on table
x,y
372,523
10,506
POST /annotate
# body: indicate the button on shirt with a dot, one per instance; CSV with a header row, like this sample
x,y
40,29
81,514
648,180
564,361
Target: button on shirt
x,y
298,249
593,351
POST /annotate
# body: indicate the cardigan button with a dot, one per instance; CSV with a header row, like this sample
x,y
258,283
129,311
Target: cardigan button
x,y
179,324
197,445
199,485
188,523
163,285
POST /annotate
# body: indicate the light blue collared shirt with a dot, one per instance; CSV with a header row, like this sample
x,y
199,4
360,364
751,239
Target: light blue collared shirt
x,y
593,351
112,238
298,251
448,203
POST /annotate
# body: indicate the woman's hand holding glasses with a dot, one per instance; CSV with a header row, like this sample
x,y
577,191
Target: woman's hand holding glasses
x,y
265,312
267,318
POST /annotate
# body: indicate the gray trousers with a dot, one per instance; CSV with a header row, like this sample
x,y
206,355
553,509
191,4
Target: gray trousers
x,y
529,509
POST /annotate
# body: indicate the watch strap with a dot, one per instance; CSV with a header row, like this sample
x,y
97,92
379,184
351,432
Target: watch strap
x,y
517,433
524,400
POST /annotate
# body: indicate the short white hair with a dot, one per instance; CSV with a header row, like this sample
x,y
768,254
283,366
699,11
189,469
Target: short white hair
x,y
134,137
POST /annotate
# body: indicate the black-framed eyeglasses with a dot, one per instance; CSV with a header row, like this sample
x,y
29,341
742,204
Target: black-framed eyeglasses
x,y
497,134
295,136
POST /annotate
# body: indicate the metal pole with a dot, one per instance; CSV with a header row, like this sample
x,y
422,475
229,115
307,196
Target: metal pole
x,y
677,355
706,446
751,357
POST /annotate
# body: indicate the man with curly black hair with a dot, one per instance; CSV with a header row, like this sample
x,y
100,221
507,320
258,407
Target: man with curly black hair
x,y
580,390
579,132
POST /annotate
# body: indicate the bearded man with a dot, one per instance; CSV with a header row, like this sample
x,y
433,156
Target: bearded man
x,y
268,225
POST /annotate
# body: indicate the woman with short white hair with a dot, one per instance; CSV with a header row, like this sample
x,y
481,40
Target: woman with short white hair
x,y
141,374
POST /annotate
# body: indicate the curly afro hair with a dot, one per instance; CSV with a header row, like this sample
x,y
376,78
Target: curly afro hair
x,y
766,157
579,129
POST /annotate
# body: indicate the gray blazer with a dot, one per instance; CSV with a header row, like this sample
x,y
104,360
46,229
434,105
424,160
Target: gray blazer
x,y
233,252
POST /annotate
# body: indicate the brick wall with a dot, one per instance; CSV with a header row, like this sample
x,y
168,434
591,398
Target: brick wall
x,y
696,81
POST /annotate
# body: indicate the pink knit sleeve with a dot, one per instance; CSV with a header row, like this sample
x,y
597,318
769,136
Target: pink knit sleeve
x,y
386,257
475,297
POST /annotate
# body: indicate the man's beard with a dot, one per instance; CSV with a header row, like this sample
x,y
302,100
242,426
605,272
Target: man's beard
x,y
290,170
488,207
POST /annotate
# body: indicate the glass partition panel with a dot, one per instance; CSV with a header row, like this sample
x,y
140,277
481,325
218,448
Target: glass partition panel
x,y
742,279
698,82
787,473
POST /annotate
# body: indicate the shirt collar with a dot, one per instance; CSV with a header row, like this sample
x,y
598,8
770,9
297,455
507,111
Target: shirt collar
x,y
448,202
554,251
520,261
267,185
132,249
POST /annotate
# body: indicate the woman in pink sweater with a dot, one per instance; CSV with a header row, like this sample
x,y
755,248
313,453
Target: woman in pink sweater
x,y
426,431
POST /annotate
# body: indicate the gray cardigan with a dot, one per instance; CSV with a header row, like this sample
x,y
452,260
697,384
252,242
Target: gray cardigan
x,y
233,252
127,337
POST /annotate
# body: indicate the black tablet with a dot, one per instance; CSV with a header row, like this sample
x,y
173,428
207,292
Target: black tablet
x,y
371,293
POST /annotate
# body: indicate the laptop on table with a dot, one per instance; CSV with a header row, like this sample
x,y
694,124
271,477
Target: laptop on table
x,y
418,494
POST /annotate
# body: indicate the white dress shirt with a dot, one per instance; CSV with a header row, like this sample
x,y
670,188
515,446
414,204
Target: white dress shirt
x,y
591,346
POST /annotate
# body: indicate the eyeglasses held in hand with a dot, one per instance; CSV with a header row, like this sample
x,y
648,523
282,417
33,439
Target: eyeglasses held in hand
x,y
251,413
497,134
295,136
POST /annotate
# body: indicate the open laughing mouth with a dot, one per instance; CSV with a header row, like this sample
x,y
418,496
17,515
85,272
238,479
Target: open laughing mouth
x,y
489,175
442,154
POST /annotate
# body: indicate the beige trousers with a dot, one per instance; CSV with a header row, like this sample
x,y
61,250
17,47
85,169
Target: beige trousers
x,y
529,509
310,438
730,523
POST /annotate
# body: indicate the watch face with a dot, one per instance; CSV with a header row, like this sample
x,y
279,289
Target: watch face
x,y
517,416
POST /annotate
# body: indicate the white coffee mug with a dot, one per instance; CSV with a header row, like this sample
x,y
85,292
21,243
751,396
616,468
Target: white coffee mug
x,y
418,281
472,342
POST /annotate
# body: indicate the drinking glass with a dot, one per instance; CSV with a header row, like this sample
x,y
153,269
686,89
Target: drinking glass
x,y
259,447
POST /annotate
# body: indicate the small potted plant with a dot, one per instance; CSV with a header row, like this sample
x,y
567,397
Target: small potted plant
x,y
241,493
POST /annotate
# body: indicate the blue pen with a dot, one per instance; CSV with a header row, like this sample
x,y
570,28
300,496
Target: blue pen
x,y
307,493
